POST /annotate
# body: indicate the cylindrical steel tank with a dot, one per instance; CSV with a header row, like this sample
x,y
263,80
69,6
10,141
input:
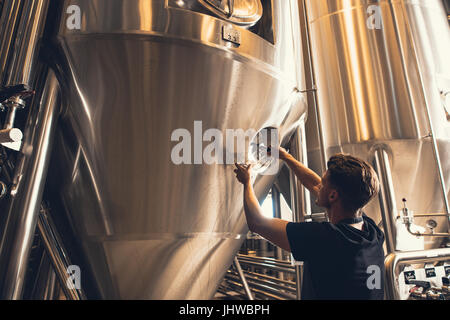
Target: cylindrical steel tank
x,y
382,70
132,72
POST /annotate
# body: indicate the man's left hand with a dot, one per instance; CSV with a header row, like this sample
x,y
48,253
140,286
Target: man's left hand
x,y
243,173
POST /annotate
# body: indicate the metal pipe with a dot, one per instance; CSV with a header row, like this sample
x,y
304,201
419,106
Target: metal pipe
x,y
309,76
269,266
386,196
300,197
8,23
276,263
23,60
394,260
13,105
419,234
273,279
263,259
57,254
277,214
320,216
50,285
266,288
230,8
27,189
40,275
266,263
425,215
232,284
269,282
242,277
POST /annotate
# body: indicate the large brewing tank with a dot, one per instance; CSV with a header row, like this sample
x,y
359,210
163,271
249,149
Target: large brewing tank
x,y
383,79
134,71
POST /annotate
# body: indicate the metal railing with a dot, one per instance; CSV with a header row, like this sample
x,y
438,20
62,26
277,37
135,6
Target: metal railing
x,y
262,286
394,260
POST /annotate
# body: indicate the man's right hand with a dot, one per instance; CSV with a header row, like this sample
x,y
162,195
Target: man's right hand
x,y
282,153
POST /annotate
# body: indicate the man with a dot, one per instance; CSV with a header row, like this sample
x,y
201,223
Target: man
x,y
343,258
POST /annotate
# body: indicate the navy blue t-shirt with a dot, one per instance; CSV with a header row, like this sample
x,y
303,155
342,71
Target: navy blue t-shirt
x,y
340,262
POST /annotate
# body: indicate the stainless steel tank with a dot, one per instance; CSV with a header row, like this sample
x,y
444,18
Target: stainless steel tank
x,y
134,71
383,72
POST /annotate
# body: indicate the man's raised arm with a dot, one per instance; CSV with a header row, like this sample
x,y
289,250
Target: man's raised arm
x,y
272,229
311,180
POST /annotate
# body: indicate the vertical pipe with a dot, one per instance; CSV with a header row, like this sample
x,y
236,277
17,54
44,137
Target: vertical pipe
x,y
386,196
50,285
310,80
301,205
299,194
27,189
29,31
8,23
10,118
277,214
244,281
57,254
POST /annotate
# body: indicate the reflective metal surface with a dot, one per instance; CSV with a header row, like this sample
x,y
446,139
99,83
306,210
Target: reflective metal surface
x,y
381,84
57,254
24,57
387,197
9,19
134,72
25,194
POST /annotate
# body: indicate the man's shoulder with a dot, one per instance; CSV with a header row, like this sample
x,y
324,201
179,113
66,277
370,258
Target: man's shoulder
x,y
310,229
311,224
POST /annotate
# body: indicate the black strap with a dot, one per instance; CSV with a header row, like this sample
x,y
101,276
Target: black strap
x,y
352,220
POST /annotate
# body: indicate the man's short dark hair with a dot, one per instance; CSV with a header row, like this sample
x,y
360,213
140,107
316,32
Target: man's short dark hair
x,y
354,179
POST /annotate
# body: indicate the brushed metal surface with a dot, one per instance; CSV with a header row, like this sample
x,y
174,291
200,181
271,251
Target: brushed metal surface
x,y
136,71
373,87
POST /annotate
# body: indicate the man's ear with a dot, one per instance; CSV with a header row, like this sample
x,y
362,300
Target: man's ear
x,y
333,196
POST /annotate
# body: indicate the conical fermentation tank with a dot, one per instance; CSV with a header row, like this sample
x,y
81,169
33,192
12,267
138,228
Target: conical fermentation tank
x,y
134,71
383,79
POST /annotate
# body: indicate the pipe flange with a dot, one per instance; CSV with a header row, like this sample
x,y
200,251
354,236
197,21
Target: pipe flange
x,y
14,102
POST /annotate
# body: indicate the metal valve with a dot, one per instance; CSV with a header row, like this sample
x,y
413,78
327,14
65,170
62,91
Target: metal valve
x,y
407,216
11,98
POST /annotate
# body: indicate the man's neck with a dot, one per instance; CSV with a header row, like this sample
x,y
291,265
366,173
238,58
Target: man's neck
x,y
337,213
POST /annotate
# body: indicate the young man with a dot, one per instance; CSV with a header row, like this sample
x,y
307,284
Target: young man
x,y
343,258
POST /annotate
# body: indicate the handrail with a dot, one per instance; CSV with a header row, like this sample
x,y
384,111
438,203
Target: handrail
x,y
232,284
265,287
394,260
263,259
267,282
269,266
242,277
